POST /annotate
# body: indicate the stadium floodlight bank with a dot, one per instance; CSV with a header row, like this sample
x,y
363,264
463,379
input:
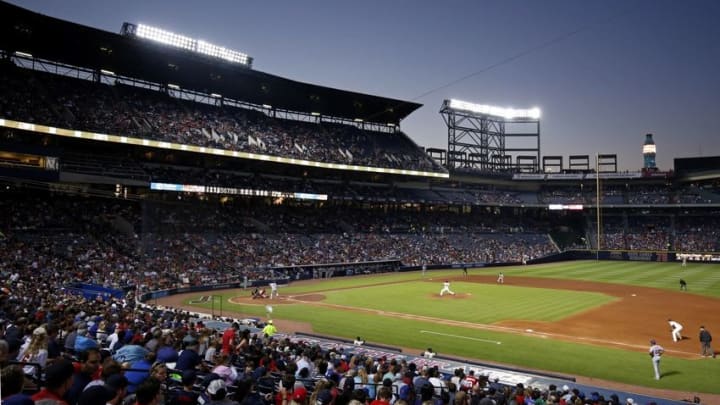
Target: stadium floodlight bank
x,y
501,112
183,42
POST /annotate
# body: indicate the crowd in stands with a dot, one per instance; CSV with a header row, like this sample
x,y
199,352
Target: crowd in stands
x,y
64,102
72,350
112,241
697,234
628,195
637,233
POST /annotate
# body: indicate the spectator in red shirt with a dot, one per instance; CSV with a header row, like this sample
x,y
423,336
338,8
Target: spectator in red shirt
x,y
228,338
383,397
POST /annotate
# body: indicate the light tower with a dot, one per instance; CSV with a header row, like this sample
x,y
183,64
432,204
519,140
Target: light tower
x,y
487,138
649,153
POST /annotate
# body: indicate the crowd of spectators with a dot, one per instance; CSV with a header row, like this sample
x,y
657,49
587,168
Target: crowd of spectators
x,y
98,352
697,234
65,102
628,195
637,233
162,245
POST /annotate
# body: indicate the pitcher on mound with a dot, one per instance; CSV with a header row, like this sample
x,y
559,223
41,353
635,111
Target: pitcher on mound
x,y
446,288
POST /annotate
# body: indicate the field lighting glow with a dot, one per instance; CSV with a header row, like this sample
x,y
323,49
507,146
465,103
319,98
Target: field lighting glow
x,y
503,112
190,44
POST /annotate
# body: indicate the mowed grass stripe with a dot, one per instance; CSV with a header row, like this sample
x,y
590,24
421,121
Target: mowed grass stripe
x,y
650,274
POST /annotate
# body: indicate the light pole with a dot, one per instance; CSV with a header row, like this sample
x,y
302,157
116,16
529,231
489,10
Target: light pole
x,y
212,297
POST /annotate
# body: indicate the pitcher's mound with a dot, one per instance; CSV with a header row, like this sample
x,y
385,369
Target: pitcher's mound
x,y
457,296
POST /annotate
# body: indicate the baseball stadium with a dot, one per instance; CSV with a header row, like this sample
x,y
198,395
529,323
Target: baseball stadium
x,y
149,209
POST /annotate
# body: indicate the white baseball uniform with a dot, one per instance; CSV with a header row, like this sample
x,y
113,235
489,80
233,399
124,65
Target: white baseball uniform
x,y
676,329
274,290
446,289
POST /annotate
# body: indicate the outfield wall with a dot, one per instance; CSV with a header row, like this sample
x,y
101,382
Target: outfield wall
x,y
629,255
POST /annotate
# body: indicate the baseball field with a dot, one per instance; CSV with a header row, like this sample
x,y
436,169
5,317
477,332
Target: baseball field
x,y
585,318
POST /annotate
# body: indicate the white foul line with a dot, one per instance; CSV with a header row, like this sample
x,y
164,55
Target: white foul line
x,y
462,337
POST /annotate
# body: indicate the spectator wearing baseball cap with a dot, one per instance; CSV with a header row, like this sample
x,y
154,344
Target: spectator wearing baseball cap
x,y
324,397
299,395
184,395
58,380
96,395
189,359
148,393
217,391
118,384
12,380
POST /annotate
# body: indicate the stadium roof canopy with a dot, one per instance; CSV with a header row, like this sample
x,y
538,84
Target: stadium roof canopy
x,y
65,42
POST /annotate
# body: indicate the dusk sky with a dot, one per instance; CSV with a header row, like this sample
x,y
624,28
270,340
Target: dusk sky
x,y
604,73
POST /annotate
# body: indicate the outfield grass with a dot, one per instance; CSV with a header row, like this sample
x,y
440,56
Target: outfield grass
x,y
482,303
702,278
490,303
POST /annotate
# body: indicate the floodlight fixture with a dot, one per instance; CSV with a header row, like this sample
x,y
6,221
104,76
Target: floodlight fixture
x,y
315,114
165,37
107,72
187,43
222,53
503,112
358,120
268,106
216,95
173,86
23,54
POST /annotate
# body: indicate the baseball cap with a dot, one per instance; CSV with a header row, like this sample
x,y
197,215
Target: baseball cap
x,y
299,394
215,386
96,395
116,381
630,401
324,397
189,340
270,321
58,372
565,388
39,331
189,377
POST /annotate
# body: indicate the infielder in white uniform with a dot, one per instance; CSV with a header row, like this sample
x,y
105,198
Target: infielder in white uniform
x,y
676,329
446,288
273,290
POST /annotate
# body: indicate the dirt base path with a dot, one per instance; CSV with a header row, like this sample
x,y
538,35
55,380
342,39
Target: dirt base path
x,y
639,315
